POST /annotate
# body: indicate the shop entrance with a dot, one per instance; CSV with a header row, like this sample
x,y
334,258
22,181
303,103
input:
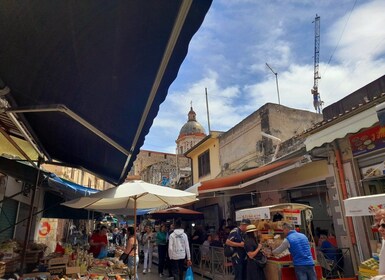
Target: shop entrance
x,y
315,195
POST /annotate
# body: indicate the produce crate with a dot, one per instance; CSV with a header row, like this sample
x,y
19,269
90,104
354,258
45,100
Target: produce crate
x,y
58,261
366,274
57,266
2,269
72,270
58,270
12,265
32,256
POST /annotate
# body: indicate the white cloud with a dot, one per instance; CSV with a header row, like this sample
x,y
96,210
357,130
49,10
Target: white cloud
x,y
363,38
228,55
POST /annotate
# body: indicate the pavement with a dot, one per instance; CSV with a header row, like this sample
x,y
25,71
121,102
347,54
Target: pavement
x,y
153,275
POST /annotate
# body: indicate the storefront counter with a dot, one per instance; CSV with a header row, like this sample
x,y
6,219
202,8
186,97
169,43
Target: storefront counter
x,y
284,270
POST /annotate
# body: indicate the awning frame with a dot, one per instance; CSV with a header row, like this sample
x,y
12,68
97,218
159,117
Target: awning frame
x,y
63,109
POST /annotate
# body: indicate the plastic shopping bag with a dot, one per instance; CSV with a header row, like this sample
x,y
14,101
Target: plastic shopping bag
x,y
103,253
189,274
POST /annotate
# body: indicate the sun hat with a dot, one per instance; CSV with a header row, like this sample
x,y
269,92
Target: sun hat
x,y
251,228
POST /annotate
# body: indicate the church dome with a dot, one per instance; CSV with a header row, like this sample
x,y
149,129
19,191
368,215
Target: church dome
x,y
192,127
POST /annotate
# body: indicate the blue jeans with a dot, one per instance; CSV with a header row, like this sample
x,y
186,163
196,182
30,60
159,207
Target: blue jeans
x,y
130,265
305,272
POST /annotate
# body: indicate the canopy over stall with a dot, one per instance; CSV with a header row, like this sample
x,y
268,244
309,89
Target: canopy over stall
x,y
82,81
364,205
176,212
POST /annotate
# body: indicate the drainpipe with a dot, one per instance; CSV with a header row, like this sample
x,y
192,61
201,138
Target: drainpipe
x,y
341,175
276,147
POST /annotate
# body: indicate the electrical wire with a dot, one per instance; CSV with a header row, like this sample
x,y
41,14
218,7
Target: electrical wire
x,y
339,40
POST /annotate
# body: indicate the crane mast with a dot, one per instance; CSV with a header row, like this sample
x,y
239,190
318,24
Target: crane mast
x,y
316,95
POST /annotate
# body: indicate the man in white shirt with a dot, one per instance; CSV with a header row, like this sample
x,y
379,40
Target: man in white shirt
x,y
178,250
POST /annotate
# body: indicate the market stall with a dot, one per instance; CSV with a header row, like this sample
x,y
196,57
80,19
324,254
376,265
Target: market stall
x,y
361,206
269,220
71,261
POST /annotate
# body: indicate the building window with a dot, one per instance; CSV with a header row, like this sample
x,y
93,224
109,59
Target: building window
x,y
149,154
204,164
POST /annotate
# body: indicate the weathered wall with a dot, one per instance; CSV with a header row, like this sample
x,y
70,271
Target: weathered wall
x,y
244,147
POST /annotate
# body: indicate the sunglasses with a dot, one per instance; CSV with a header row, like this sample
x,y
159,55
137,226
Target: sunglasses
x,y
380,226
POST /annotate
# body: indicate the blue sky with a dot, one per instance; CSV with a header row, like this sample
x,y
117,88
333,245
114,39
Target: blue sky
x,y
228,56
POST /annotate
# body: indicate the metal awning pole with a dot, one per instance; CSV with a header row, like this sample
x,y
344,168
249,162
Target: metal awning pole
x,y
9,197
29,224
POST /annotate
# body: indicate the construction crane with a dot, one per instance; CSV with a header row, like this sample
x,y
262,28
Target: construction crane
x,y
314,91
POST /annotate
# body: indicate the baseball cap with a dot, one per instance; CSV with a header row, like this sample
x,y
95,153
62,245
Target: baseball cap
x,y
245,222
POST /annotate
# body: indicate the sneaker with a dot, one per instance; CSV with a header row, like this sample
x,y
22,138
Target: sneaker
x,y
144,271
149,270
160,275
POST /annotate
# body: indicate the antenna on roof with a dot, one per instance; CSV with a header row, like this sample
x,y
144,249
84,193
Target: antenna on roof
x,y
276,81
208,114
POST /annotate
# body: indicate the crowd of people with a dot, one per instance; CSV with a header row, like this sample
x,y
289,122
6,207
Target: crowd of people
x,y
173,244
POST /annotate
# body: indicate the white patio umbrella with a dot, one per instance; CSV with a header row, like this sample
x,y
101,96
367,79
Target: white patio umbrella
x,y
132,195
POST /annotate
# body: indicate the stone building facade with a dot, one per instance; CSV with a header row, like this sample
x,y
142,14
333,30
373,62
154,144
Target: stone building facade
x,y
245,146
159,168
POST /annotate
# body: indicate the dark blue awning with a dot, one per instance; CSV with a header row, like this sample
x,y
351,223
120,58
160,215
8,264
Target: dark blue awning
x,y
68,189
86,78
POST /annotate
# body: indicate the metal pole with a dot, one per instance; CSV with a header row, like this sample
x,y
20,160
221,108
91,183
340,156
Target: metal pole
x,y
208,114
276,81
29,224
135,268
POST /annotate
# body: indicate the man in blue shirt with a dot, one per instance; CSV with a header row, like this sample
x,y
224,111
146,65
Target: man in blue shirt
x,y
299,248
236,239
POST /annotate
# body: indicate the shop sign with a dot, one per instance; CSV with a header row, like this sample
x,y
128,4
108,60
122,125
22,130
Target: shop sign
x,y
44,229
364,205
373,171
292,216
368,140
253,214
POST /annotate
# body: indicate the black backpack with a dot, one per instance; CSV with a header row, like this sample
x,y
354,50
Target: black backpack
x,y
228,251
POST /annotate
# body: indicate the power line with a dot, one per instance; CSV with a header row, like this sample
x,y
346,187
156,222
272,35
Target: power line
x,y
339,40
